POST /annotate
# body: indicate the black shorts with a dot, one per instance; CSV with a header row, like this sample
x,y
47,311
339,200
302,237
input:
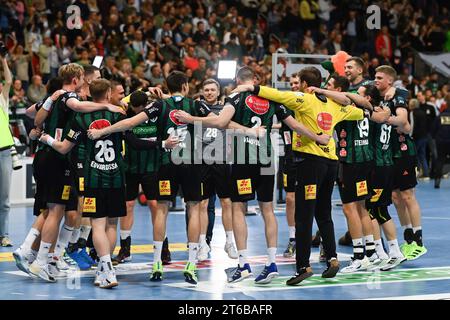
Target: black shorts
x,y
171,177
101,203
148,181
404,173
248,180
216,179
289,174
354,183
78,171
381,185
54,181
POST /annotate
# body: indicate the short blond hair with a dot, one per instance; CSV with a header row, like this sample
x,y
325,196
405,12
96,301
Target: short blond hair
x,y
69,71
388,70
98,88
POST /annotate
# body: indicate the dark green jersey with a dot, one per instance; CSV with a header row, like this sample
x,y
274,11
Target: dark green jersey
x,y
146,160
57,123
286,135
402,144
163,113
253,111
103,167
355,136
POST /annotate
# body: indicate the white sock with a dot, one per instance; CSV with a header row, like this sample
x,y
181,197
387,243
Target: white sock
x,y
42,255
291,232
394,250
84,232
32,235
106,263
272,253
407,226
229,236
368,238
357,242
193,249
415,229
157,251
75,235
203,240
380,250
63,240
124,234
242,257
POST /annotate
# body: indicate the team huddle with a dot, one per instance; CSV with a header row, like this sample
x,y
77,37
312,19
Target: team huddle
x,y
96,147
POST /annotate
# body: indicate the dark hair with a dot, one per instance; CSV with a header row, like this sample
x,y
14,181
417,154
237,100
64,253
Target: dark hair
x,y
245,74
98,88
373,93
311,76
89,70
358,61
138,99
54,84
340,82
175,81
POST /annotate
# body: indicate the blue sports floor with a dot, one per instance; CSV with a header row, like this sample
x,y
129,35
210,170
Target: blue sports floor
x,y
425,278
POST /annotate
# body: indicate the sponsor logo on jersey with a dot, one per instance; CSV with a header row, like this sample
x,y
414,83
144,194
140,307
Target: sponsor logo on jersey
x,y
164,188
81,184
65,193
377,195
89,205
257,105
361,188
173,119
285,184
244,186
310,192
100,124
324,121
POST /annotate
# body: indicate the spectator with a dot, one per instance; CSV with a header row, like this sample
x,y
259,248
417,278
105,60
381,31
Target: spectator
x,y
169,51
335,45
36,91
165,31
45,50
201,34
64,50
156,77
21,64
441,133
234,49
419,121
200,73
190,61
384,41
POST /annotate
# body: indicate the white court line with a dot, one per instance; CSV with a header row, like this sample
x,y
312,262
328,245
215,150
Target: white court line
x,y
438,296
42,295
17,293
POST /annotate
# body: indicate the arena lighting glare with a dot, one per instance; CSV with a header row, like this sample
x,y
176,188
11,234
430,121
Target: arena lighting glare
x,y
227,69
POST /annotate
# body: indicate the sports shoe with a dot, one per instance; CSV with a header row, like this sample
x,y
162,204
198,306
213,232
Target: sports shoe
x,y
61,264
415,251
203,252
322,255
315,242
55,272
356,265
392,263
66,257
97,278
405,248
79,260
82,252
157,272
332,268
93,255
6,242
190,273
290,250
230,249
346,240
301,275
374,260
123,256
22,262
269,272
108,279
165,252
42,272
239,274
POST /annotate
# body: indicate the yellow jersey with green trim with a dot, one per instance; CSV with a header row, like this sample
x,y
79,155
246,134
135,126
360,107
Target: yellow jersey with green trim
x,y
318,114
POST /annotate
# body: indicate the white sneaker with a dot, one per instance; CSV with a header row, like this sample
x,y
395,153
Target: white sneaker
x,y
203,252
374,260
356,265
97,278
55,272
61,264
42,272
22,261
230,249
108,280
393,262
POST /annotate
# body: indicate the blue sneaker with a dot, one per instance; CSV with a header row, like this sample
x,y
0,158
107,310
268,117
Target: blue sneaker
x,y
270,272
86,256
239,274
81,262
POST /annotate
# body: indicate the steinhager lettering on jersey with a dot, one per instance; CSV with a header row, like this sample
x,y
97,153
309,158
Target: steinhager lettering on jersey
x,y
257,105
104,167
364,142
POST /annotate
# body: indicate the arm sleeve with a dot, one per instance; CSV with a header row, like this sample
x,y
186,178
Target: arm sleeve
x,y
76,133
292,100
153,110
282,112
201,109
